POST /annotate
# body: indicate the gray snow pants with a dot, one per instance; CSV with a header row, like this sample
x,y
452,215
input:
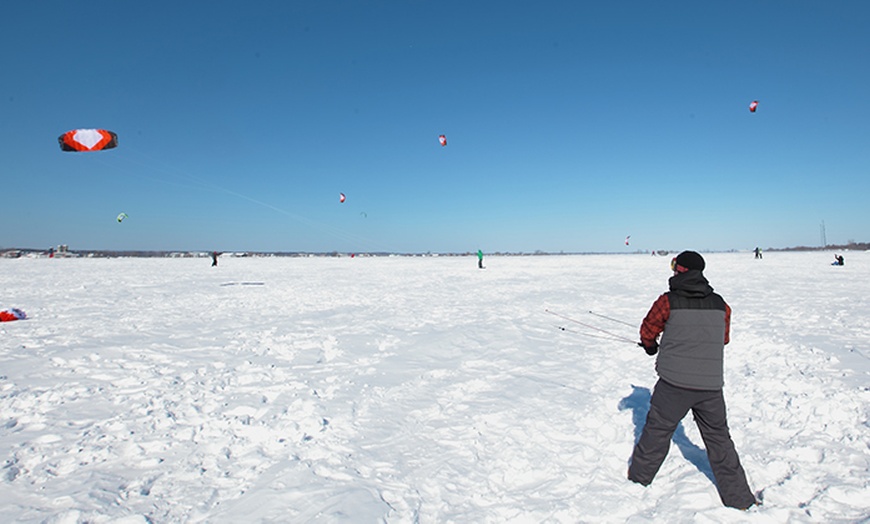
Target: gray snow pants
x,y
668,406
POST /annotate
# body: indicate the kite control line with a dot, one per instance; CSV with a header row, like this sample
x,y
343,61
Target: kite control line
x,y
614,335
613,319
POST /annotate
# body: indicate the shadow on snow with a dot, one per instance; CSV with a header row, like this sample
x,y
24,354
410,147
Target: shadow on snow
x,y
638,403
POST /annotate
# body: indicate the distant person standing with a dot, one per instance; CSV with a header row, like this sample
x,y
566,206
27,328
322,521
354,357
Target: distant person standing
x,y
214,256
479,259
758,252
694,324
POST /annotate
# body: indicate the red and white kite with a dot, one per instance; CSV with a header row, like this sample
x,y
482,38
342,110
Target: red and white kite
x,y
8,315
626,239
443,140
87,140
753,106
341,197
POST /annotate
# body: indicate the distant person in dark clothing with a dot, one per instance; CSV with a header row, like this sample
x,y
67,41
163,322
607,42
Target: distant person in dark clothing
x,y
694,324
838,260
214,255
758,252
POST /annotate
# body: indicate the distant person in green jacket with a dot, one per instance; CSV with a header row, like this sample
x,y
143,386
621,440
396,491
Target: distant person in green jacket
x,y
480,259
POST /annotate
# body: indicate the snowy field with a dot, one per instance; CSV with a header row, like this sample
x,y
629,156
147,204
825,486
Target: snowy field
x,y
416,390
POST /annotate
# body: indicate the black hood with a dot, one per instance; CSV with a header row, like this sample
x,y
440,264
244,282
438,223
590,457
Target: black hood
x,y
690,284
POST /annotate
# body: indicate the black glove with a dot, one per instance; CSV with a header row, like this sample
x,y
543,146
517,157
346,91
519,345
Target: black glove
x,y
650,350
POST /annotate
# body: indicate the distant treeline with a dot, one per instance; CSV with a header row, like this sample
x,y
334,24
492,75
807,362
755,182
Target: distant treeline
x,y
15,253
851,246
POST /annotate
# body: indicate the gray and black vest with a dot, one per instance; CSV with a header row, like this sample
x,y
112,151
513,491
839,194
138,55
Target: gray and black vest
x,y
693,341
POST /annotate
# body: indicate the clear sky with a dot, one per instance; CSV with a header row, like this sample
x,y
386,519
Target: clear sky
x,y
570,125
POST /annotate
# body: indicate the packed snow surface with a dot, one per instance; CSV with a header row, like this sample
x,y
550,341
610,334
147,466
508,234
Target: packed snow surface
x,y
416,389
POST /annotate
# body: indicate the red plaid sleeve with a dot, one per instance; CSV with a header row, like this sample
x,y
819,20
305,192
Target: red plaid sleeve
x,y
727,324
654,322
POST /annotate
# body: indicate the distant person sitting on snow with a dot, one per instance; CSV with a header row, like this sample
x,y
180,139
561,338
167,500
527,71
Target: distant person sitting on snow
x,y
838,260
694,324
758,252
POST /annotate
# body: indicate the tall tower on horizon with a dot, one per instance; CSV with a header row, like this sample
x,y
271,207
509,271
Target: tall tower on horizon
x,y
822,234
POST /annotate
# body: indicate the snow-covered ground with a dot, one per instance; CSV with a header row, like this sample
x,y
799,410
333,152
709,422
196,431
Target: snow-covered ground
x,y
416,390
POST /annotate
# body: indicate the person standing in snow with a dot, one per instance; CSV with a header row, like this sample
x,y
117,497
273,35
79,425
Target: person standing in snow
x,y
480,259
694,324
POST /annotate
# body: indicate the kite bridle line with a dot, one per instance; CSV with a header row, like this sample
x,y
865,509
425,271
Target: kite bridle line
x,y
611,318
614,335
198,183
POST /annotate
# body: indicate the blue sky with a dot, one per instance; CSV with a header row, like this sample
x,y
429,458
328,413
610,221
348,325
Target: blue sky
x,y
569,124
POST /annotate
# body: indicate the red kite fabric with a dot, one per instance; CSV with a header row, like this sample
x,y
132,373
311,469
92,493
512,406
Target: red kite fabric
x,y
8,315
87,140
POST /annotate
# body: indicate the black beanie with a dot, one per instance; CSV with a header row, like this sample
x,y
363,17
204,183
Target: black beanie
x,y
691,260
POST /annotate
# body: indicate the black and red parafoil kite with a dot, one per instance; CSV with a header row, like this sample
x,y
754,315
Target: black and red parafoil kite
x,y
753,106
443,140
341,197
87,140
